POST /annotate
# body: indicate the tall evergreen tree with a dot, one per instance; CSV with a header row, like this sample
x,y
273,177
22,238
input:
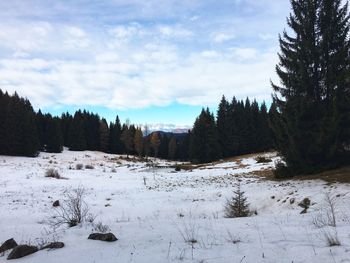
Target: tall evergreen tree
x,y
66,122
54,137
115,143
307,127
223,126
334,45
204,142
138,142
104,136
172,148
77,133
127,139
18,128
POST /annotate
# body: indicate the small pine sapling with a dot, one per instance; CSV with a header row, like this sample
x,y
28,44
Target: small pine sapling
x,y
238,205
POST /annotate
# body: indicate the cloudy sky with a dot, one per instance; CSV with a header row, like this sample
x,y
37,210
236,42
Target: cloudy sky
x,y
154,61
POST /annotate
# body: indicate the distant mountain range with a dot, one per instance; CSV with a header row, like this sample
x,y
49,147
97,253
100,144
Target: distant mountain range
x,y
167,128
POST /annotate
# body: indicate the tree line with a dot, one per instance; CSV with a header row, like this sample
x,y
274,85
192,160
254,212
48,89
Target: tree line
x,y
24,132
240,128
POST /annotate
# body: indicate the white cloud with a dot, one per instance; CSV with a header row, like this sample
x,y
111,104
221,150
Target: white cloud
x,y
222,37
210,54
123,82
244,53
175,32
76,38
176,56
267,36
25,37
194,18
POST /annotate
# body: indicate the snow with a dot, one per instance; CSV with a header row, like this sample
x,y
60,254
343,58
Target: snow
x,y
152,221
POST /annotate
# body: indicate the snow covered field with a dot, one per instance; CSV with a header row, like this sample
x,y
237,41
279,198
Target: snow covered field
x,y
155,213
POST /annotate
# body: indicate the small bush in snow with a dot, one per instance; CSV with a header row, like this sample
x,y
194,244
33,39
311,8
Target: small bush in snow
x,y
101,228
79,166
189,232
238,205
52,173
89,166
90,218
73,211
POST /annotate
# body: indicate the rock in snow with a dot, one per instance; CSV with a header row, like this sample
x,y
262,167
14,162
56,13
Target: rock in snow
x,y
8,244
109,237
54,245
22,251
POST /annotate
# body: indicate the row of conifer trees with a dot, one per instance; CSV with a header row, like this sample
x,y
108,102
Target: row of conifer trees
x,y
240,128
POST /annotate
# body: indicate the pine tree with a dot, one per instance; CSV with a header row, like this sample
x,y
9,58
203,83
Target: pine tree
x,y
182,152
233,128
138,142
155,143
54,137
238,205
18,126
92,132
115,143
146,142
29,138
334,45
313,69
104,136
204,141
164,146
172,148
66,122
223,127
265,140
298,96
127,138
77,133
4,100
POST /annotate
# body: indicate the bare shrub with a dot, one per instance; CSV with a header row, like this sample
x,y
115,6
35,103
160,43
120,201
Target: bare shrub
x,y
238,205
79,166
52,173
189,232
89,166
73,211
101,228
331,237
327,214
232,238
90,218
